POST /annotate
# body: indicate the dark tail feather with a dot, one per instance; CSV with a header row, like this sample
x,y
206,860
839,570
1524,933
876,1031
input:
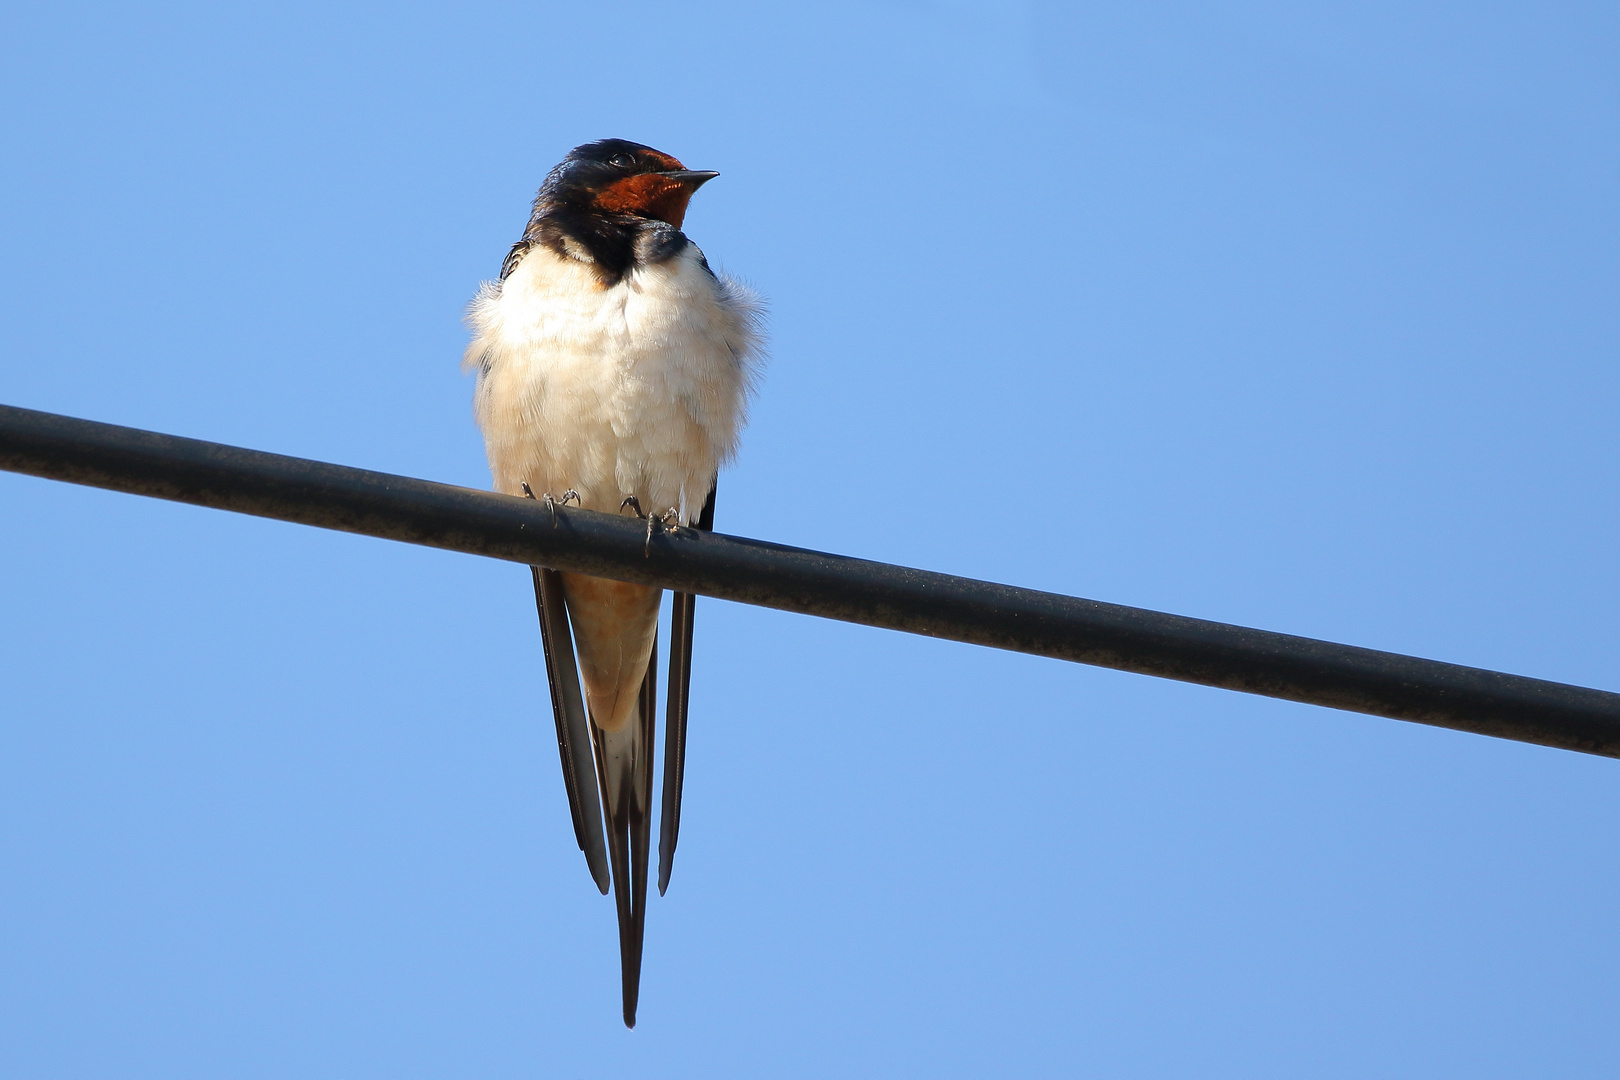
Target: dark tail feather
x,y
573,733
624,766
680,687
680,678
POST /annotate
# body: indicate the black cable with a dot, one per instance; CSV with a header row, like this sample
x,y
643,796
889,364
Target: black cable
x,y
810,582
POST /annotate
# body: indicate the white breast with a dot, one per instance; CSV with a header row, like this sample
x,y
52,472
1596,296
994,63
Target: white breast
x,y
637,389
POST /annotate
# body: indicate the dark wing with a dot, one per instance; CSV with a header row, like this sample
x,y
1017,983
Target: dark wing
x,y
515,256
573,734
680,686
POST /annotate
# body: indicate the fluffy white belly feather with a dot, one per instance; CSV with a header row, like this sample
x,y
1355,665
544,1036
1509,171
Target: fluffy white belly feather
x,y
639,388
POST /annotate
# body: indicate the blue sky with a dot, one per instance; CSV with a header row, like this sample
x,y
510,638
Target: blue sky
x,y
1297,317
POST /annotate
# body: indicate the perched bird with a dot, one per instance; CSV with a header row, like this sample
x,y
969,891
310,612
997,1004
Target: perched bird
x,y
614,369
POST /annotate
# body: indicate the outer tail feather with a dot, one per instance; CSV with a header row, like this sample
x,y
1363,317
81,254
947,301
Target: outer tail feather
x,y
680,686
680,675
573,733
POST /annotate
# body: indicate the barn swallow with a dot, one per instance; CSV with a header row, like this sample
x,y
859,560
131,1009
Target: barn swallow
x,y
614,369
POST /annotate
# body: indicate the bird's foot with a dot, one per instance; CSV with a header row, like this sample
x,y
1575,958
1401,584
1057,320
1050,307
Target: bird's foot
x,y
550,503
561,500
667,521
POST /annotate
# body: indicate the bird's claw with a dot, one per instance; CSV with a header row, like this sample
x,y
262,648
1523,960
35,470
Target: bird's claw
x,y
550,503
668,521
561,500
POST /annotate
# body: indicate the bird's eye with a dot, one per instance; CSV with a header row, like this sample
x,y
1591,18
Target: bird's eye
x,y
623,161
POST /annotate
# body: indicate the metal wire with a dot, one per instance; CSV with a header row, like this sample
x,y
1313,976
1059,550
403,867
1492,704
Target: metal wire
x,y
810,582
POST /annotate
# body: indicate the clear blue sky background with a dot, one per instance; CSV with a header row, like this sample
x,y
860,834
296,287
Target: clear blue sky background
x,y
1302,317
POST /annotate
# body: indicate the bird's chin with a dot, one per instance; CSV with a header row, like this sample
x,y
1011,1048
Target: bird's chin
x,y
662,197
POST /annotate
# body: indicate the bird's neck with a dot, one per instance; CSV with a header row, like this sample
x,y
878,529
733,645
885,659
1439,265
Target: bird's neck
x,y
615,244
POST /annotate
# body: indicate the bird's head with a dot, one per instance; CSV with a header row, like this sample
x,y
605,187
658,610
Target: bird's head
x,y
613,176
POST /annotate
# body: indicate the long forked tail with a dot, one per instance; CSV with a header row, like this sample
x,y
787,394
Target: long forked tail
x,y
624,768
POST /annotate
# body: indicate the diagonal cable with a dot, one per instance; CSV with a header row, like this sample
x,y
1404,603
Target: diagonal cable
x,y
810,582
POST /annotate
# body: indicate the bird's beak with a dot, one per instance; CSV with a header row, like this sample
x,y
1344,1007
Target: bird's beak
x,y
693,178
